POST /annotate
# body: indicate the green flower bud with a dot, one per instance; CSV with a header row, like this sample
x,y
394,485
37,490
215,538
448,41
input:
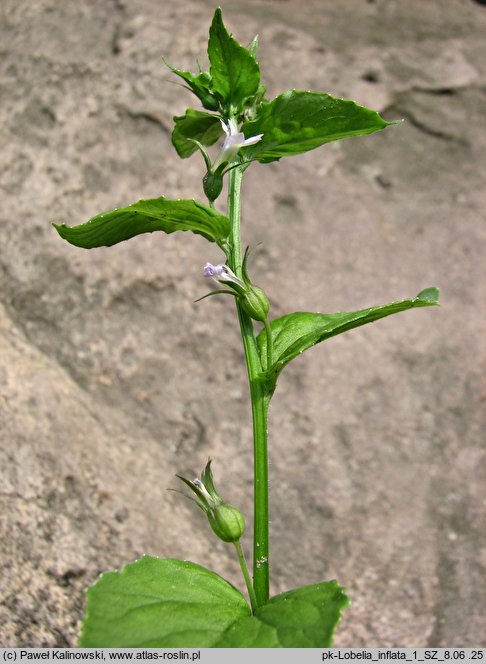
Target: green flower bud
x,y
209,101
255,303
212,185
227,522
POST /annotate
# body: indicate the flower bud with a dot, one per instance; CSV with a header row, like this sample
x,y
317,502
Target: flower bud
x,y
212,185
209,101
227,522
255,303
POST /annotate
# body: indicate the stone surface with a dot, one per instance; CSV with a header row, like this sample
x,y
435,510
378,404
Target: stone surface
x,y
112,380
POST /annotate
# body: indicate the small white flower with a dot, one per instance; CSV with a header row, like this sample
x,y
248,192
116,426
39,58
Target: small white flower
x,y
232,143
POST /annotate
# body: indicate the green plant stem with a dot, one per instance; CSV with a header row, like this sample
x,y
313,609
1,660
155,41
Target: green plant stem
x,y
268,330
246,574
234,214
259,407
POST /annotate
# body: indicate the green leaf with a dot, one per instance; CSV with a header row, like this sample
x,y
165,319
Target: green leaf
x,y
296,121
196,125
155,214
301,618
160,603
235,74
295,333
200,84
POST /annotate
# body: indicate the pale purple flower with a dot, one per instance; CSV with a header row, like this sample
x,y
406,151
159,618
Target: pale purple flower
x,y
233,142
222,274
211,270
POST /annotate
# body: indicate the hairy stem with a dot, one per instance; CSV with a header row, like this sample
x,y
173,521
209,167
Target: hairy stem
x,y
259,407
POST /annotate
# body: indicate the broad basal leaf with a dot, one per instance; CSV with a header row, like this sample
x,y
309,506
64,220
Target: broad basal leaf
x,y
202,127
156,214
301,618
235,74
295,333
297,121
160,603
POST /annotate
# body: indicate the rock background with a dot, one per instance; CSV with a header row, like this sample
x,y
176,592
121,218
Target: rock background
x,y
112,380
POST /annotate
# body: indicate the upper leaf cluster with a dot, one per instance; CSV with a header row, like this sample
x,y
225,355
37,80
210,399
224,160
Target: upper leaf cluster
x,y
293,123
234,75
230,88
